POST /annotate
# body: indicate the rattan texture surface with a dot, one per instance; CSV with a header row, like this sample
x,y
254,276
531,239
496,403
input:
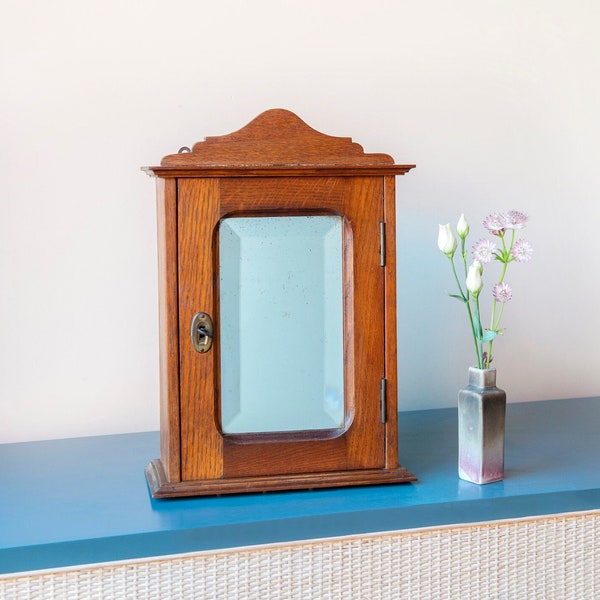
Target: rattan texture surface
x,y
546,558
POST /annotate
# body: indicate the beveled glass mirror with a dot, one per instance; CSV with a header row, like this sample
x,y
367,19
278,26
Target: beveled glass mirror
x,y
281,324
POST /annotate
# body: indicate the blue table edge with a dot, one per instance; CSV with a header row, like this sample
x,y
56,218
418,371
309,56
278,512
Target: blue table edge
x,y
573,419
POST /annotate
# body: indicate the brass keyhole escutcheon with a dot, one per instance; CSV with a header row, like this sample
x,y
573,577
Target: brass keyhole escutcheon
x,y
202,332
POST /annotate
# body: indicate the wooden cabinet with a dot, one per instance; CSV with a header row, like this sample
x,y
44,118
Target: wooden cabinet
x,y
277,301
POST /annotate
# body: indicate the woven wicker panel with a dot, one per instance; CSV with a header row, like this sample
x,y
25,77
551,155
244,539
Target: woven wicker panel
x,y
547,558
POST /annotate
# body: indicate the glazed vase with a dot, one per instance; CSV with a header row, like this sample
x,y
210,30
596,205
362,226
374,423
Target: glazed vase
x,y
481,425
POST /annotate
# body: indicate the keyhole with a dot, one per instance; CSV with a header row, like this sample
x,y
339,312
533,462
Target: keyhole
x,y
202,332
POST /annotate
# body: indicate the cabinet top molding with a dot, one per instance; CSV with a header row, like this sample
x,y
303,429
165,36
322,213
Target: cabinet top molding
x,y
277,142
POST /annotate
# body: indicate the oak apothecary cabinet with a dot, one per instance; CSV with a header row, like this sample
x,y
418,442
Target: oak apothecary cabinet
x,y
277,313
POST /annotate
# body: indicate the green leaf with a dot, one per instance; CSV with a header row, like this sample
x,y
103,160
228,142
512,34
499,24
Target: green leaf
x,y
489,335
479,331
457,297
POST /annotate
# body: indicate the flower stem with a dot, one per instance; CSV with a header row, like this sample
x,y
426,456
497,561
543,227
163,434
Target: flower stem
x,y
464,254
499,317
495,324
488,357
477,335
466,299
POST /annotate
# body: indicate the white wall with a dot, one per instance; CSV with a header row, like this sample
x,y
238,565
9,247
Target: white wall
x,y
497,103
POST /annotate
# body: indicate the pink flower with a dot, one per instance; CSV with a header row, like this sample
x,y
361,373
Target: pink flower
x,y
483,251
495,223
515,219
522,251
502,292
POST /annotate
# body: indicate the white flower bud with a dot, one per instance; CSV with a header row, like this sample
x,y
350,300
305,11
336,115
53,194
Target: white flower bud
x,y
474,279
446,240
462,228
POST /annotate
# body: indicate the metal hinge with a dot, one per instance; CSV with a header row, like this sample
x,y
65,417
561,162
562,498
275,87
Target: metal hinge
x,y
383,399
382,243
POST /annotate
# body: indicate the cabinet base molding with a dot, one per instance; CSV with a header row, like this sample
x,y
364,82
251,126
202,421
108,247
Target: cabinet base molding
x,y
161,487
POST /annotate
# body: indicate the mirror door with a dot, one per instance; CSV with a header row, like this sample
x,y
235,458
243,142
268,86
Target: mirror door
x,y
288,269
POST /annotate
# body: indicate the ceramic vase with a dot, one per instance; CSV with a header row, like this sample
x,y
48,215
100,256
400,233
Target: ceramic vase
x,y
481,424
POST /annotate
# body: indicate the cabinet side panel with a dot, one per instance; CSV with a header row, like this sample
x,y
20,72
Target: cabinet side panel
x,y
168,327
391,367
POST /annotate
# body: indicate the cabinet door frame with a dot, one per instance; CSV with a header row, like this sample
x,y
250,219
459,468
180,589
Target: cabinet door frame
x,y
206,452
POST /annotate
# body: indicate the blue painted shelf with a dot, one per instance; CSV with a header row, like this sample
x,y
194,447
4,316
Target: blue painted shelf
x,y
85,500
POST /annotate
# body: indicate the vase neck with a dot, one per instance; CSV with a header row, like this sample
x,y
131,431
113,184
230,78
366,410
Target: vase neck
x,y
483,378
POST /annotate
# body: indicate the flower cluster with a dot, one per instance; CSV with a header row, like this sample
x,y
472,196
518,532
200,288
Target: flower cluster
x,y
506,250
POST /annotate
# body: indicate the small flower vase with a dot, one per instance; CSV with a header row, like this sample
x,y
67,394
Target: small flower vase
x,y
481,419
